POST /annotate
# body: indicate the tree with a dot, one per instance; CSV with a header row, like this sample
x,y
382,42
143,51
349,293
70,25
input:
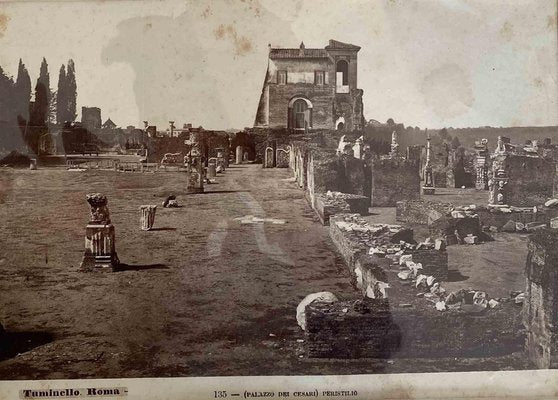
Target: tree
x,y
61,98
71,91
7,105
42,97
22,92
455,143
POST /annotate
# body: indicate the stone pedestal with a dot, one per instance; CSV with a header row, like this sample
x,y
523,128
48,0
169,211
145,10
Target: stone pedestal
x,y
33,164
239,154
100,252
147,217
211,170
428,190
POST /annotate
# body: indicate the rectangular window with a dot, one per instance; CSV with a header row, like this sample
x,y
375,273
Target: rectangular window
x,y
282,77
319,78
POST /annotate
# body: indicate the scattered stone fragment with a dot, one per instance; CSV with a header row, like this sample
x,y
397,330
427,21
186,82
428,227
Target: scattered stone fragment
x,y
551,203
519,299
439,244
509,226
441,306
172,204
554,223
168,199
404,258
470,239
404,275
493,229
519,226
493,303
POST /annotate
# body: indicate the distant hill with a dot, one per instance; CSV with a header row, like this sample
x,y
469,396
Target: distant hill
x,y
467,136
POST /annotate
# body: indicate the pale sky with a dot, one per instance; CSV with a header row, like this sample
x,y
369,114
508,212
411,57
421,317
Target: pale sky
x,y
430,63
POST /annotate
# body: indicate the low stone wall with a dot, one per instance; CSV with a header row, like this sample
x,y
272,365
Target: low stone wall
x,y
331,203
376,329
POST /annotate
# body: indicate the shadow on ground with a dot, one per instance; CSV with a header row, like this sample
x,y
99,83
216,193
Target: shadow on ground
x,y
14,343
139,267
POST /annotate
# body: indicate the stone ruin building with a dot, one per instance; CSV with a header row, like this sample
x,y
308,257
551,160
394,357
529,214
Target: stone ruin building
x,y
307,88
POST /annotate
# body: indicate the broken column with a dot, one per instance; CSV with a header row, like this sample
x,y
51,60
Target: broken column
x,y
239,154
540,308
481,164
100,250
394,145
147,218
497,184
194,166
428,187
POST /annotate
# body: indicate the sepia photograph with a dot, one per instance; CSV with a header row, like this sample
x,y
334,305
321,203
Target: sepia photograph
x,y
261,188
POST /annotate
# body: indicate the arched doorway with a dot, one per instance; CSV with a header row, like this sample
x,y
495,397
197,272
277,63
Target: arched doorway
x,y
300,114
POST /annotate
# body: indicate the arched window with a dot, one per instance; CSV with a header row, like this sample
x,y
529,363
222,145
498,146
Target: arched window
x,y
342,73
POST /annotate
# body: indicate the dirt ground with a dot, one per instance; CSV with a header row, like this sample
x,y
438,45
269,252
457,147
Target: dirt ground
x,y
200,295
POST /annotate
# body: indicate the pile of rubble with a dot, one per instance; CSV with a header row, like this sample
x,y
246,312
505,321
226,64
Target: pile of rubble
x,y
468,300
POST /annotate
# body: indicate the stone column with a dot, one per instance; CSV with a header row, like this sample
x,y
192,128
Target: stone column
x,y
147,218
428,187
394,145
100,253
540,308
194,167
498,182
239,154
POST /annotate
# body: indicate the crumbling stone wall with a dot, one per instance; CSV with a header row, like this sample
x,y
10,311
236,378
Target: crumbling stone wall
x,y
377,329
356,243
531,179
394,180
421,211
540,310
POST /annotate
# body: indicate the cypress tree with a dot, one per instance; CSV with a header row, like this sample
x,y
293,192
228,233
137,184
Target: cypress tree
x,y
22,93
71,91
61,98
42,97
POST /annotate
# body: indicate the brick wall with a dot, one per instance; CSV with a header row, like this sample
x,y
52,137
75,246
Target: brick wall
x,y
394,180
540,309
376,329
531,180
321,98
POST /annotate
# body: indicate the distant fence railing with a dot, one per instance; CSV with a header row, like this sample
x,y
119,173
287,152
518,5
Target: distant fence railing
x,y
127,166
